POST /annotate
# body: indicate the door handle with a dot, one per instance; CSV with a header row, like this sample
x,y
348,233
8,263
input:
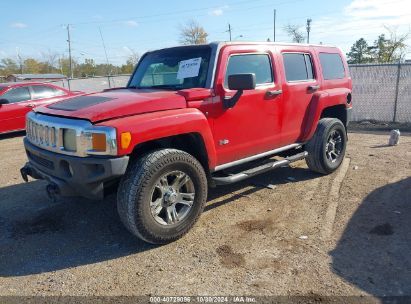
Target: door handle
x,y
273,93
313,88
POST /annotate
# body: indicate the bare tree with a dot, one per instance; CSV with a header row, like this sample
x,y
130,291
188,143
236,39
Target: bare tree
x,y
50,59
295,33
133,58
395,46
193,33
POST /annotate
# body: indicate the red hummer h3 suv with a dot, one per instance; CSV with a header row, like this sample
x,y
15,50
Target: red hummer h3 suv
x,y
193,117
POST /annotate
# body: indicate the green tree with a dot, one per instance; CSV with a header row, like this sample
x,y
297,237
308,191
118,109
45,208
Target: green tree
x,y
88,68
33,66
8,66
130,63
392,49
360,52
193,33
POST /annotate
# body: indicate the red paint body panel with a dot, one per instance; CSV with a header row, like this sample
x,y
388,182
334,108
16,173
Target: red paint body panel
x,y
156,125
125,102
13,115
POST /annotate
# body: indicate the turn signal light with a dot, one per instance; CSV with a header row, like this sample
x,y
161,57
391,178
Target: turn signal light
x,y
99,142
125,140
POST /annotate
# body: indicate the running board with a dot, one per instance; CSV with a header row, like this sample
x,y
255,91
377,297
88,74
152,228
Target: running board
x,y
258,170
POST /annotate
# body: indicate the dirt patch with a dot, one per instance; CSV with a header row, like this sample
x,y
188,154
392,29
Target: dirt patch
x,y
40,224
255,225
229,258
384,229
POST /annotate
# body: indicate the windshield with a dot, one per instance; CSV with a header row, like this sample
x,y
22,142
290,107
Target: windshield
x,y
174,69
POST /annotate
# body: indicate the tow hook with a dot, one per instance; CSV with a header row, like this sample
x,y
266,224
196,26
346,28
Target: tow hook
x,y
25,172
52,192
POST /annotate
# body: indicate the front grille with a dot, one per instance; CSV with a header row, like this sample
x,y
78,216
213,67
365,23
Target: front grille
x,y
40,134
41,161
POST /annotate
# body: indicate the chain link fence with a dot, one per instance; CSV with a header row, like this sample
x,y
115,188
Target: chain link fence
x,y
381,92
93,84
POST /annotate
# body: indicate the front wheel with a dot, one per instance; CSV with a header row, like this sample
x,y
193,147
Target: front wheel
x,y
326,149
162,195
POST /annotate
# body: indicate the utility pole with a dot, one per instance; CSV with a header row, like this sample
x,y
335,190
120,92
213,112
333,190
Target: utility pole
x,y
229,30
69,46
275,18
308,29
105,52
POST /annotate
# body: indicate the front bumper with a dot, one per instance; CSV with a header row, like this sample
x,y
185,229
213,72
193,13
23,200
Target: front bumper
x,y
71,175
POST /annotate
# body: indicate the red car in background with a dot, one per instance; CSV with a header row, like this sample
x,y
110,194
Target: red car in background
x,y
17,99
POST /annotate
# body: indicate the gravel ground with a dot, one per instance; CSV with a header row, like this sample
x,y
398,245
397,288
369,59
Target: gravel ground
x,y
288,232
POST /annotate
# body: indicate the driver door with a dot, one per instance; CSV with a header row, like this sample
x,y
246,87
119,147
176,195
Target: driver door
x,y
252,126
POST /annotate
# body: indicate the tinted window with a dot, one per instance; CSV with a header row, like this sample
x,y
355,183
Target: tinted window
x,y
42,92
332,66
309,65
17,95
258,64
298,67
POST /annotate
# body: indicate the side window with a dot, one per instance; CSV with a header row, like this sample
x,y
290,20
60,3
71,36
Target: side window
x,y
258,64
332,66
58,92
40,92
17,95
298,67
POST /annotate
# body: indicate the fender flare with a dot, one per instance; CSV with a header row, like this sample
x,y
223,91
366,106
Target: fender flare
x,y
319,102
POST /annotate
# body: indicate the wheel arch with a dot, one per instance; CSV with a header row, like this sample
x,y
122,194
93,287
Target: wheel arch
x,y
192,143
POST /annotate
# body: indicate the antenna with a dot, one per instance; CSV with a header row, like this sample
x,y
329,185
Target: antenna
x,y
105,52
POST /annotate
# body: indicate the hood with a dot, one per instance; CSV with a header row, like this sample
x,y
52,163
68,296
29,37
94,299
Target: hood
x,y
115,103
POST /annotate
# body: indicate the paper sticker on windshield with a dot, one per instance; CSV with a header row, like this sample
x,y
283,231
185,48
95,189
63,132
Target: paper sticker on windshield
x,y
189,68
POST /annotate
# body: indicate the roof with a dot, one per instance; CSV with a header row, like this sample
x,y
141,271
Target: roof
x,y
19,84
38,76
270,43
218,44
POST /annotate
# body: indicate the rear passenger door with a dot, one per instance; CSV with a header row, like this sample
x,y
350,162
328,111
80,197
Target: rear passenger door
x,y
300,83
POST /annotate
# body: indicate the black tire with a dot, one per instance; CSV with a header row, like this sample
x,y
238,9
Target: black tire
x,y
318,159
137,188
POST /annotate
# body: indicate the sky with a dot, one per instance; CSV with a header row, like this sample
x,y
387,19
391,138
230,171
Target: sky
x,y
33,28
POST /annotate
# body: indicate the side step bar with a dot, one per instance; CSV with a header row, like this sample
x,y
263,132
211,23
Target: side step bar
x,y
258,170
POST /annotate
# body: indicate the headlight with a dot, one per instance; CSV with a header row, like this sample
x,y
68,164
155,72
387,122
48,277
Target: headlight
x,y
69,140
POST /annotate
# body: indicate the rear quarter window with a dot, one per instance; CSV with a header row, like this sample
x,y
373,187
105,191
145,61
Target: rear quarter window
x,y
332,66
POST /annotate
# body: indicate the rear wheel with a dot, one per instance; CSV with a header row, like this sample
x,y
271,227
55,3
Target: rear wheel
x,y
162,195
326,149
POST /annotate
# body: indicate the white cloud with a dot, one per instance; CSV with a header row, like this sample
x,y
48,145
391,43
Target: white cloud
x,y
131,23
362,18
18,25
218,11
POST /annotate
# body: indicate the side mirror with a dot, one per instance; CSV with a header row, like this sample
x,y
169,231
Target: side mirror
x,y
3,101
239,82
